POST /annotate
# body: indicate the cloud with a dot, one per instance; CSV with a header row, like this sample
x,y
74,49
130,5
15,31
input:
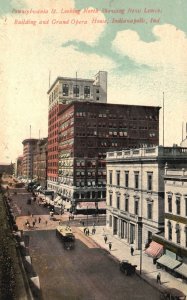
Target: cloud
x,y
28,53
167,51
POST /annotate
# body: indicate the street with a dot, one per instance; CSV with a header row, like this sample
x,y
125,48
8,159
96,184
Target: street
x,y
86,272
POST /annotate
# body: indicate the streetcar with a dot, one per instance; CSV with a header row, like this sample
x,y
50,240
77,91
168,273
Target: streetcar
x,y
65,234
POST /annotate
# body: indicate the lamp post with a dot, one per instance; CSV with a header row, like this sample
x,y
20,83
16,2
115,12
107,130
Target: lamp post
x,y
87,216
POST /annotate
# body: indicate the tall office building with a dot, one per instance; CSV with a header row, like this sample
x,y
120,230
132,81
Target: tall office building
x,y
62,92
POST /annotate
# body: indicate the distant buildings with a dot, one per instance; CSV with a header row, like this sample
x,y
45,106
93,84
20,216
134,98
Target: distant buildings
x,y
29,147
34,160
7,169
135,191
87,130
19,166
40,162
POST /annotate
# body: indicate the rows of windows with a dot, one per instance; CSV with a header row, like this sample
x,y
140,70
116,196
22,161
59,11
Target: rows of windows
x,y
126,203
126,179
76,91
178,204
177,231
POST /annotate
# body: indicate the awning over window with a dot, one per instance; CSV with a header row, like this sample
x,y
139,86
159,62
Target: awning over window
x,y
182,270
168,262
154,249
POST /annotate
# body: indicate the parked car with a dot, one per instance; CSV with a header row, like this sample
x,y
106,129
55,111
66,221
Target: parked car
x,y
127,268
172,294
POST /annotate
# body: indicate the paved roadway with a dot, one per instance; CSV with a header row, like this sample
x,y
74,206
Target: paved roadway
x,y
85,273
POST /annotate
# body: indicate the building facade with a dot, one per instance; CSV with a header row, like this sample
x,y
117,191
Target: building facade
x,y
87,130
29,148
64,91
19,166
135,191
40,162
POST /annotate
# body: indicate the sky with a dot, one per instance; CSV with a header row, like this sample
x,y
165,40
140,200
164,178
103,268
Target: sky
x,y
142,44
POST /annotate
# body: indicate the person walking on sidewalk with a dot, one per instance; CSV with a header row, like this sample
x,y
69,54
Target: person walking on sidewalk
x,y
110,246
132,250
105,238
158,278
39,220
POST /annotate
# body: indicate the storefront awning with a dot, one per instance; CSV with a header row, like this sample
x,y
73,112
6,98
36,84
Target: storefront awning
x,y
86,205
154,249
182,270
102,205
168,262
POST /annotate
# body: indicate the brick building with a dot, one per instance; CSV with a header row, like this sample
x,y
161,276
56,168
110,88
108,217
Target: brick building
x,y
62,92
87,130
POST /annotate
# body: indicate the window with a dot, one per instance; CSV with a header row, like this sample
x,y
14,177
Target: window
x,y
136,180
86,92
65,90
118,202
185,229
136,207
169,231
126,179
118,178
178,206
186,207
149,211
76,91
178,234
149,181
127,204
169,203
110,177
110,199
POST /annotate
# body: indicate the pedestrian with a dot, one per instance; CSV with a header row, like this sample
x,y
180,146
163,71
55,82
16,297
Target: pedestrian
x,y
39,220
69,217
33,223
132,250
105,239
88,232
46,222
83,223
110,246
158,278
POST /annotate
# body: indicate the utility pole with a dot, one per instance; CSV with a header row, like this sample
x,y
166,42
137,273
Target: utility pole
x,y
163,119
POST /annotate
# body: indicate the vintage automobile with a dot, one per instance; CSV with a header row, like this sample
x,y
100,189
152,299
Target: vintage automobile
x,y
127,268
172,294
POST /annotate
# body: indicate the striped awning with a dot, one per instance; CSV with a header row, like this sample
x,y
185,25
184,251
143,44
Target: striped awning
x,y
182,270
168,262
154,249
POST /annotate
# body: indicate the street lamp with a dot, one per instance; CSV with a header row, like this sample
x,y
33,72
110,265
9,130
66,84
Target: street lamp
x,y
87,216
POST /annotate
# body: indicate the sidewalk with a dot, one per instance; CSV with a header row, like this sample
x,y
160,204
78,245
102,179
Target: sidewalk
x,y
121,251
